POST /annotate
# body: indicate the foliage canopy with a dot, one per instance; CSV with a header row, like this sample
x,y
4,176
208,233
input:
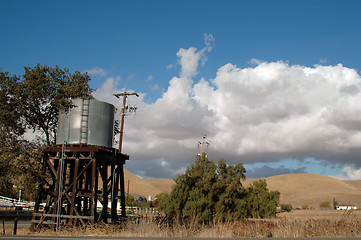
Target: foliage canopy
x,y
287,207
215,192
32,102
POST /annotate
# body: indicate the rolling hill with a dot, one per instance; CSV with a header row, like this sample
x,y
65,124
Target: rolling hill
x,y
146,187
295,189
312,189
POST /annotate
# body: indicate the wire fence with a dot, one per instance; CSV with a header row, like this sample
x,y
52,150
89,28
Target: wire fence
x,y
11,202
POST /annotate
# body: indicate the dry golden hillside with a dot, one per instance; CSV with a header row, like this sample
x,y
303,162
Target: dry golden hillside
x,y
139,186
164,184
355,183
295,189
312,189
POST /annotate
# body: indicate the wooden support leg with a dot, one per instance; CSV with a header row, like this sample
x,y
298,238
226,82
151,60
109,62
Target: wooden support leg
x,y
93,207
122,189
114,192
105,193
73,192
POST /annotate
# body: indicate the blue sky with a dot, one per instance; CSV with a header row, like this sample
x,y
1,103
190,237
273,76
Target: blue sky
x,y
136,45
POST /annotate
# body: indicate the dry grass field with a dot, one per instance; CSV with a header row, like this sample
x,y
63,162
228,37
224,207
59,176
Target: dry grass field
x,y
296,189
296,224
318,214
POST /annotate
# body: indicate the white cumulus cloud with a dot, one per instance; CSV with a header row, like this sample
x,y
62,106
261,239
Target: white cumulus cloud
x,y
109,87
349,173
263,113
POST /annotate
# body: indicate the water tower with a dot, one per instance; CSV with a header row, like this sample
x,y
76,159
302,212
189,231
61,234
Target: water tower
x,y
83,173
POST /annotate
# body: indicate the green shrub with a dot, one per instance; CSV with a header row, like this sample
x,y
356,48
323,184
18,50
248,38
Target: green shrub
x,y
286,207
325,204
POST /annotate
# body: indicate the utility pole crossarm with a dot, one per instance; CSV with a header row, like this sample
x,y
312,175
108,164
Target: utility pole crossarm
x,y
125,94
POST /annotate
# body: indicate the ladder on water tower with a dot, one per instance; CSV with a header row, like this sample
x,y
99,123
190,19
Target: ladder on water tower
x,y
84,119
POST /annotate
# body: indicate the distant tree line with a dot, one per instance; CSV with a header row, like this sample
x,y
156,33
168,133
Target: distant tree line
x,y
215,192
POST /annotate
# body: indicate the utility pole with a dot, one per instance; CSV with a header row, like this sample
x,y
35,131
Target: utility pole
x,y
203,142
125,95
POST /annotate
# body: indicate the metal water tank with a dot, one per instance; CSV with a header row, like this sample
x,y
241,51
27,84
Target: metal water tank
x,y
89,121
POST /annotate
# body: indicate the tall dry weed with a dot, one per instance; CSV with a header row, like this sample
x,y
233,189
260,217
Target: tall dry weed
x,y
347,225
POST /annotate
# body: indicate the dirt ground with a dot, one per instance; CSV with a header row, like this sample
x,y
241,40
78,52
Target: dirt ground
x,y
320,214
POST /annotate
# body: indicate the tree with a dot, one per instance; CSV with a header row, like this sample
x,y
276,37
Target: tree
x,y
335,203
8,146
19,165
262,203
231,204
215,192
10,120
131,201
32,102
195,192
37,97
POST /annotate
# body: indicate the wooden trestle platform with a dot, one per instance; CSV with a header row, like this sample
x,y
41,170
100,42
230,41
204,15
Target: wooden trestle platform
x,y
79,182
